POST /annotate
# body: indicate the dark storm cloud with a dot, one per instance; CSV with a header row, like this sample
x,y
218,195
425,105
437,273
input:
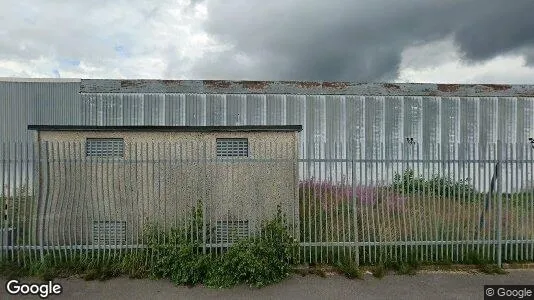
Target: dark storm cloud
x,y
355,40
496,28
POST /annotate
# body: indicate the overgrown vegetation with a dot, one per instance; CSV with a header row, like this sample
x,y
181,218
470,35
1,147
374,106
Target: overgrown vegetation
x,y
86,265
379,271
20,209
484,265
349,268
410,209
255,261
437,186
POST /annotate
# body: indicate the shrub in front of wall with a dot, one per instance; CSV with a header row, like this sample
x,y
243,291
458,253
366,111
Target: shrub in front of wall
x,y
259,261
256,261
173,255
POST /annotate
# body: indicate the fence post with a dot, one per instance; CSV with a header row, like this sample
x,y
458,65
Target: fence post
x,y
499,202
205,200
354,206
41,207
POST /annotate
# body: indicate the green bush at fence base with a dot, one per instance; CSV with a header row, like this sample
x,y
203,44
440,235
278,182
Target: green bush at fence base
x,y
423,254
256,261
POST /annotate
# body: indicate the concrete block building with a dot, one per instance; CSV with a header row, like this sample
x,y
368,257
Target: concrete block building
x,y
105,184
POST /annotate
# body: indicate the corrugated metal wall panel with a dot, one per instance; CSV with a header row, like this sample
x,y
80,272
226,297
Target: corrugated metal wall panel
x,y
374,120
23,103
374,126
507,120
316,123
431,124
450,121
393,130
488,120
236,110
175,109
413,118
256,109
295,115
469,125
525,119
469,121
275,105
355,123
216,108
154,113
195,110
132,108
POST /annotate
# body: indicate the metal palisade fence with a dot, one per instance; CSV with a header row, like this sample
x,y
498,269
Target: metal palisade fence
x,y
338,201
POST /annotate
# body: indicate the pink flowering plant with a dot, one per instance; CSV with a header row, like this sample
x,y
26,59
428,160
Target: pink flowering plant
x,y
330,196
327,208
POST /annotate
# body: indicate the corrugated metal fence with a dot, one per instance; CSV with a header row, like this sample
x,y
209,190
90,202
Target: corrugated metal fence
x,y
56,199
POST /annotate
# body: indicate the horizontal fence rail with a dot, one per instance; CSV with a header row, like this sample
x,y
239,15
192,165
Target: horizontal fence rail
x,y
60,200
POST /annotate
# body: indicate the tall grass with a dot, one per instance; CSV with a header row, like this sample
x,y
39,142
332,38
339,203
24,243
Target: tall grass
x,y
18,211
410,209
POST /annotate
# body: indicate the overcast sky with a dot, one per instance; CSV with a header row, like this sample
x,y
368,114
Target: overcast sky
x,y
490,41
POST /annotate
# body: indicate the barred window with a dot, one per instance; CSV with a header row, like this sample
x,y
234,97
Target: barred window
x,y
231,231
104,147
232,147
109,232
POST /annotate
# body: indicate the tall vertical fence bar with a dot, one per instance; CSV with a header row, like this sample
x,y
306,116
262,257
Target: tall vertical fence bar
x,y
339,201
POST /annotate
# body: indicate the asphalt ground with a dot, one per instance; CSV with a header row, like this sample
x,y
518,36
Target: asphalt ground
x,y
424,285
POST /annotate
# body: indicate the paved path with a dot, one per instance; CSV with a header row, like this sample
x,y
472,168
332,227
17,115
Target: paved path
x,y
428,285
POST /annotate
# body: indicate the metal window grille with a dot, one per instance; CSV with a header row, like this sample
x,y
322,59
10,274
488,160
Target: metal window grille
x,y
231,231
109,232
104,147
232,147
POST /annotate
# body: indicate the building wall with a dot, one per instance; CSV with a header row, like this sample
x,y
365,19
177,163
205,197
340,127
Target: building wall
x,y
162,177
37,101
370,114
370,121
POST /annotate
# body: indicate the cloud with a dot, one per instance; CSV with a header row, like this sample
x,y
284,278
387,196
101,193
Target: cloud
x,y
495,29
355,40
98,38
349,40
442,62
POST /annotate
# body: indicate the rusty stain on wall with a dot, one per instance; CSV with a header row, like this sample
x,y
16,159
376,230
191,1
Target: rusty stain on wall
x,y
306,84
302,88
172,82
217,83
255,85
448,88
392,86
131,83
335,85
498,87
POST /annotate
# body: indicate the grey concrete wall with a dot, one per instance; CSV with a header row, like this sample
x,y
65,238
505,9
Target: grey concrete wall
x,y
162,177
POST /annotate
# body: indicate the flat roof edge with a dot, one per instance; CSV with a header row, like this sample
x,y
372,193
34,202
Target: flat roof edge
x,y
273,128
89,86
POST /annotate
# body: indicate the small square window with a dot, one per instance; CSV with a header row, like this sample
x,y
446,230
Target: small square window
x,y
232,147
109,232
104,147
231,231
